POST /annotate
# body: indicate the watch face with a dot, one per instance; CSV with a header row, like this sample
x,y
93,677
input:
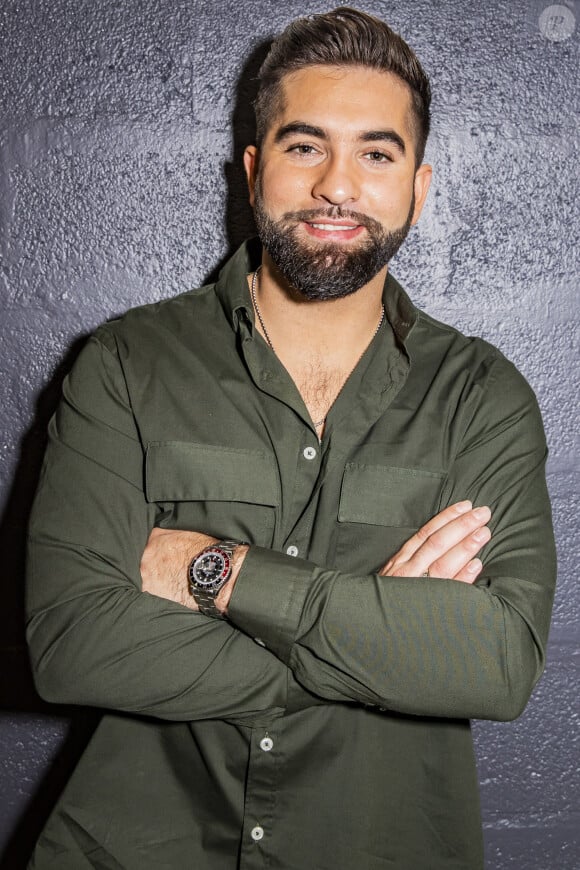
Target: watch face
x,y
210,569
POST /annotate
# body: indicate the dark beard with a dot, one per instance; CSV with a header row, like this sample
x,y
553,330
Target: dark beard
x,y
327,271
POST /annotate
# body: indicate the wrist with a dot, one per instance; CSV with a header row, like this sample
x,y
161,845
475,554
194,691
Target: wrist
x,y
223,597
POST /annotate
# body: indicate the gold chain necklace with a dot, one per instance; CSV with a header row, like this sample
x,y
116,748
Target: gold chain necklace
x,y
317,423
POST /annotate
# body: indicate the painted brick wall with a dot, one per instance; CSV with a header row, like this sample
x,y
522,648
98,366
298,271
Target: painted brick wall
x,y
120,183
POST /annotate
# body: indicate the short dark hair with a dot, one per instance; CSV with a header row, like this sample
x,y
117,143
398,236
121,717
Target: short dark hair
x,y
343,37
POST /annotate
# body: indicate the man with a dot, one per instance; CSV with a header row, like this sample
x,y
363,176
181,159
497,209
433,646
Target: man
x,y
300,450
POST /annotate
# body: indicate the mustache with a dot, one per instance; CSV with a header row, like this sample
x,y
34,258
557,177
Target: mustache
x,y
318,215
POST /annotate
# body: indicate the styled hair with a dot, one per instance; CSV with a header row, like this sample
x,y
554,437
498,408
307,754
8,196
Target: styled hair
x,y
343,37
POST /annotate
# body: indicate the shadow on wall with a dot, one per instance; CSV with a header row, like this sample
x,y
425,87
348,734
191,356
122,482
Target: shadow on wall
x,y
17,693
239,217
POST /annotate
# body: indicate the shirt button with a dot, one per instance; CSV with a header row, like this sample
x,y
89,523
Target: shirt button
x,y
292,551
266,743
259,641
257,833
309,453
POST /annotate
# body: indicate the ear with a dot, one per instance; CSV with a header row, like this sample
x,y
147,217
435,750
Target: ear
x,y
251,167
421,187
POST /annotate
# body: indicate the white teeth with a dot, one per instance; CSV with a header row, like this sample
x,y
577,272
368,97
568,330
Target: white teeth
x,y
331,227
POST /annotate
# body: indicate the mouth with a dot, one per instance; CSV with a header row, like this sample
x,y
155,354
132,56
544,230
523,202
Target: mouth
x,y
335,230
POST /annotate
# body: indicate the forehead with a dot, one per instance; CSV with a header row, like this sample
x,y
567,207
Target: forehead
x,y
347,97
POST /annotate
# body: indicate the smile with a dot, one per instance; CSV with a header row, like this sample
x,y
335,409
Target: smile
x,y
335,228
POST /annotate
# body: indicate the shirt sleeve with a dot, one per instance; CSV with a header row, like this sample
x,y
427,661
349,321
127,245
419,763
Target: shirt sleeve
x,y
428,646
94,637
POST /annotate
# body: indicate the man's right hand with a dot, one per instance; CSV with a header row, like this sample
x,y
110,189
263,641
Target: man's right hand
x,y
445,547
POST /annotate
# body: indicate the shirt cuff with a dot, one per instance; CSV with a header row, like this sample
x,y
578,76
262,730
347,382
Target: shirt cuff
x,y
268,598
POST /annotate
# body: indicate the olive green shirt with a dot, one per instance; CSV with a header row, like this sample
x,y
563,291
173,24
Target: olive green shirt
x,y
325,726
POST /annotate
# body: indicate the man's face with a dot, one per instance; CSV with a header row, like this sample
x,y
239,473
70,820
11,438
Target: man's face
x,y
334,186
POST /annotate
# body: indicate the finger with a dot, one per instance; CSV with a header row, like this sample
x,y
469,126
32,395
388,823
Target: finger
x,y
449,550
456,558
451,534
441,542
439,521
471,571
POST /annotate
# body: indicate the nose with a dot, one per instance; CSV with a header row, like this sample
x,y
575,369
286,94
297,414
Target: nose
x,y
336,182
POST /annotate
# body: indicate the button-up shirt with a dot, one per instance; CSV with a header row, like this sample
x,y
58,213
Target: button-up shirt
x,y
325,725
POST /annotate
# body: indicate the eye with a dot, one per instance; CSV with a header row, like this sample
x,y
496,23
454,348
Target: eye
x,y
378,157
302,148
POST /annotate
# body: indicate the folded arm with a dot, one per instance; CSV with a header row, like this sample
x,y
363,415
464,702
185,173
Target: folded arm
x,y
412,644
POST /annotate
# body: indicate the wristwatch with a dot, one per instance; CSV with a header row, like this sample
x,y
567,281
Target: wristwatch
x,y
208,572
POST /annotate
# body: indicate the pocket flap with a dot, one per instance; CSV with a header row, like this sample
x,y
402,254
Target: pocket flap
x,y
381,495
187,471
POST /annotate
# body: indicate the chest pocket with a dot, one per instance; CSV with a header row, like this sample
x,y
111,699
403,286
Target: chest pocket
x,y
222,491
380,508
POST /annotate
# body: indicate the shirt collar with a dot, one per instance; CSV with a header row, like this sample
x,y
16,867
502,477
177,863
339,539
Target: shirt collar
x,y
400,311
232,290
232,284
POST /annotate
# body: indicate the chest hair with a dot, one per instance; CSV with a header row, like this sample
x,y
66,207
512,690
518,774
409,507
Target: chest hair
x,y
319,387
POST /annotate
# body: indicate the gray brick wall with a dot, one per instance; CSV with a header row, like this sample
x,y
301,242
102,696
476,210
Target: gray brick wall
x,y
120,183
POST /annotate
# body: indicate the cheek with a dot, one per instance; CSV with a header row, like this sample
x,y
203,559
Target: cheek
x,y
392,202
284,189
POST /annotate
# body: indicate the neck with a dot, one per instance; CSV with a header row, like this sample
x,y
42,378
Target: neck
x,y
330,328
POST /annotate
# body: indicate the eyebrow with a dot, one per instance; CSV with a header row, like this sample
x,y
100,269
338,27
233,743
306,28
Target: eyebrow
x,y
385,136
299,127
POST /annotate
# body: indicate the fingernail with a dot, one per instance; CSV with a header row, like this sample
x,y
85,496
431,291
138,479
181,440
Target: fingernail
x,y
481,513
481,535
463,506
475,566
